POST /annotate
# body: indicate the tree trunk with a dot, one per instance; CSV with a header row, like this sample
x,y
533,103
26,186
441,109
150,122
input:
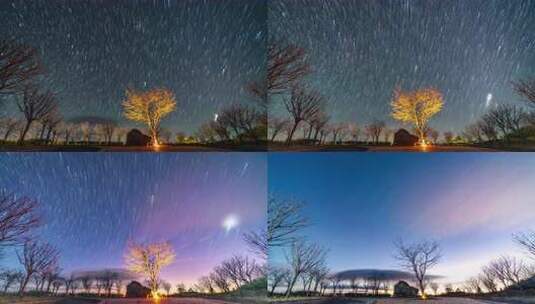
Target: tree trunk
x,y
25,130
290,136
24,283
42,133
291,286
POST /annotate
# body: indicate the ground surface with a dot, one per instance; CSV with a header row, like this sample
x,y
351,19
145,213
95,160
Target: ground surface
x,y
359,148
163,301
183,148
448,300
51,300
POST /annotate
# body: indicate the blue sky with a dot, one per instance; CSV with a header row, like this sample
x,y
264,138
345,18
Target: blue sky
x,y
360,203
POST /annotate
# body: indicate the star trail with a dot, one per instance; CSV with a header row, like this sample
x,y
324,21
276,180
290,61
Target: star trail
x,y
360,51
206,52
92,205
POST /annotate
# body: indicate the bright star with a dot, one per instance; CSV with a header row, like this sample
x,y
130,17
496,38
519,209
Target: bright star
x,y
489,99
230,222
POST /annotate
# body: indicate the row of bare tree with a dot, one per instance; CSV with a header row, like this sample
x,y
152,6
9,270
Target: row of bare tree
x,y
39,260
500,123
236,123
230,275
505,271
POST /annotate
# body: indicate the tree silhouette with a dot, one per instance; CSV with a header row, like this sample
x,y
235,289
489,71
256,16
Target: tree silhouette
x,y
36,257
35,106
17,217
19,65
302,105
526,89
418,258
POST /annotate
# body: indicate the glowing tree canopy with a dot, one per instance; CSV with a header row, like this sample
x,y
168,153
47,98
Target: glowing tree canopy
x,y
149,108
148,260
417,107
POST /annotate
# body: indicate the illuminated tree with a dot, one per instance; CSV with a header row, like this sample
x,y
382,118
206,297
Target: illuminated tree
x,y
149,108
149,260
417,107
418,258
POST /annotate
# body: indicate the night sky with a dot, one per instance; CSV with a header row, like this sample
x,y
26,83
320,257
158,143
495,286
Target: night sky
x,y
93,204
361,50
359,204
204,51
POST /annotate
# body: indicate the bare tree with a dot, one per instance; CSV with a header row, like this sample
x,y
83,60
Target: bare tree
x,y
285,219
302,105
9,278
434,134
167,287
527,241
276,275
240,122
51,274
180,288
303,257
473,133
17,218
36,257
507,118
35,106
276,125
448,137
418,258
286,65
318,123
9,125
375,129
489,280
508,270
19,65
240,270
487,127
338,131
220,278
434,286
473,285
108,129
319,273
206,284
49,123
526,89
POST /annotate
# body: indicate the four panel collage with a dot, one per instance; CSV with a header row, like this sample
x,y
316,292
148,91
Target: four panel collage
x,y
267,151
